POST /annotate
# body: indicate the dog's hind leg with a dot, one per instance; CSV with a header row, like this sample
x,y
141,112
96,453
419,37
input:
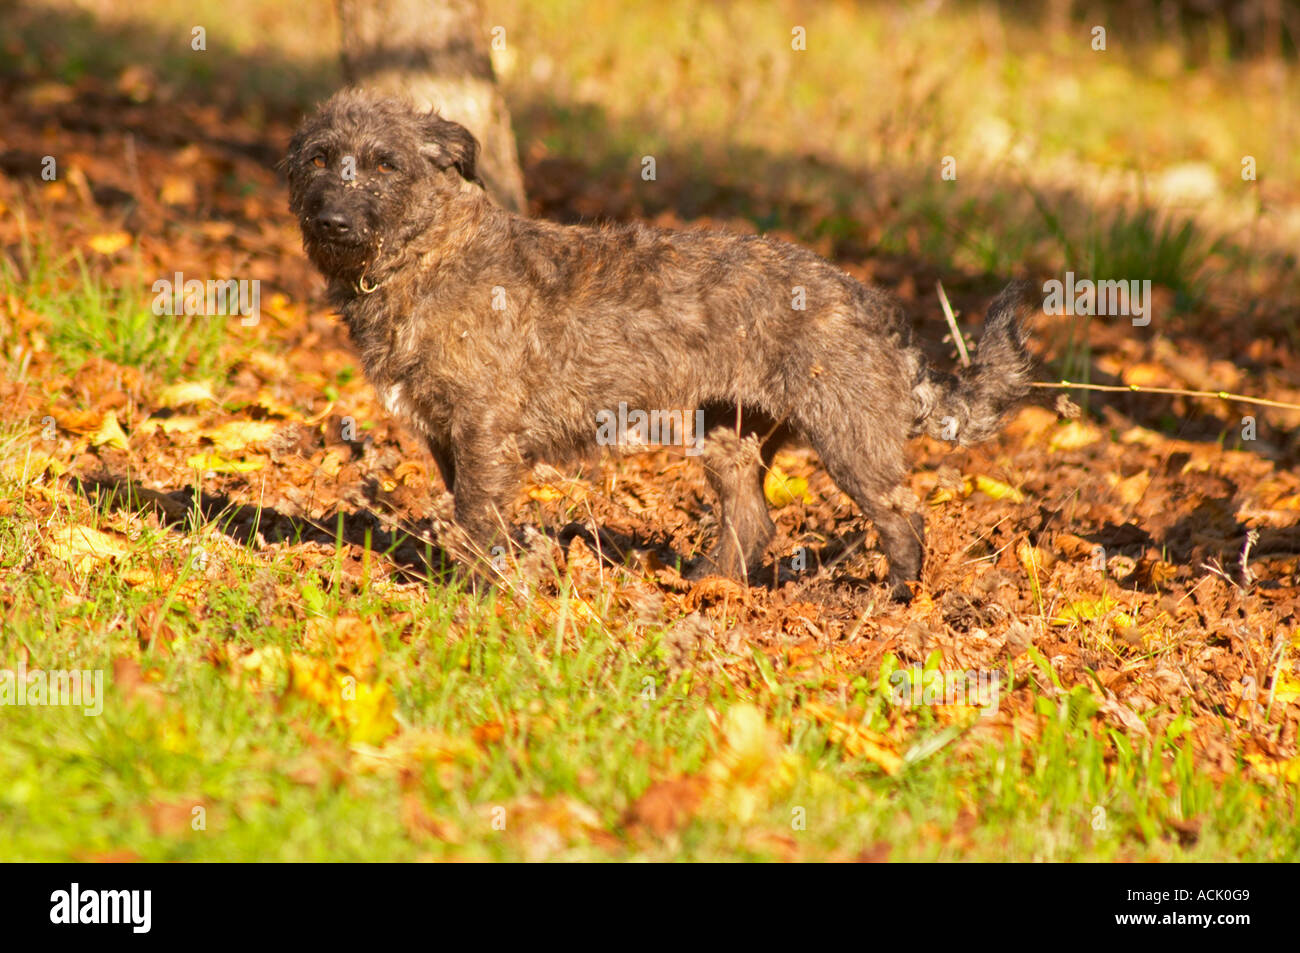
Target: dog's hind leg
x,y
734,465
875,483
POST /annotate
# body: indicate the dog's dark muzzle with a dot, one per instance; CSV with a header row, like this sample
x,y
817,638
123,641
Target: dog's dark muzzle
x,y
334,226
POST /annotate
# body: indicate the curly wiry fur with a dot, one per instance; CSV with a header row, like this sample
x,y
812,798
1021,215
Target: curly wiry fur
x,y
500,338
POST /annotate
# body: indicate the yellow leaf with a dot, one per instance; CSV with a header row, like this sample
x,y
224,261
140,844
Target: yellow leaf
x,y
109,243
140,577
1084,610
943,494
215,463
332,463
28,467
237,435
275,407
855,739
184,394
1144,375
176,190
282,309
751,763
349,640
269,366
177,424
413,747
1142,437
1284,770
110,433
1134,488
747,741
263,667
997,489
1034,559
364,710
83,547
545,493
1074,435
782,489
1286,689
369,717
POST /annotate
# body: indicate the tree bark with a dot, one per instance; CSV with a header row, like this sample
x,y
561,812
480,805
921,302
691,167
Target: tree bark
x,y
435,53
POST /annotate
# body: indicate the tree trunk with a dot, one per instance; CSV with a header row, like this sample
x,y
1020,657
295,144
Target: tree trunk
x,y
435,53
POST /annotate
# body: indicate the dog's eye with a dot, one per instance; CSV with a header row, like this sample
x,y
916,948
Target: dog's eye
x,y
318,160
386,167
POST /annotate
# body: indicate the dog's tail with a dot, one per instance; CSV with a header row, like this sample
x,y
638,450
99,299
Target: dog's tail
x,y
968,406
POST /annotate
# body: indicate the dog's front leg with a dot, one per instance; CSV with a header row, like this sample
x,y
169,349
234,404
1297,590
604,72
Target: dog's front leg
x,y
486,474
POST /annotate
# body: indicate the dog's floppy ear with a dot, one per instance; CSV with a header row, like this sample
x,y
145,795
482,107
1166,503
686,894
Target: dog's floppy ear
x,y
449,145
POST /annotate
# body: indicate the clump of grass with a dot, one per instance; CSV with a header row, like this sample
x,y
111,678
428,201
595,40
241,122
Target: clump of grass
x,y
86,315
1145,245
1139,244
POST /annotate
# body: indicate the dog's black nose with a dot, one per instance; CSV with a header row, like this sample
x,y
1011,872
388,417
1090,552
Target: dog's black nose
x,y
333,223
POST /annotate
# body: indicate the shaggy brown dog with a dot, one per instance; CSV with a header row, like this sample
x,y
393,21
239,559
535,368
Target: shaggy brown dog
x,y
504,341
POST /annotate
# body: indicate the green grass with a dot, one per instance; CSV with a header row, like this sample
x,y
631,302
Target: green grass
x,y
86,315
271,769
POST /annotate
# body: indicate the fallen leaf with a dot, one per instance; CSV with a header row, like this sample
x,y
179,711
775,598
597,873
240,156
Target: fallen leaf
x,y
855,739
215,463
420,823
109,243
1134,488
82,547
666,806
781,489
176,190
78,421
364,710
997,489
1286,688
185,394
110,433
1084,610
237,435
177,424
349,641
1074,435
489,733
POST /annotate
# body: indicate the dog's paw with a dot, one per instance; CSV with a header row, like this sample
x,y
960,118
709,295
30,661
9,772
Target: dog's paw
x,y
903,592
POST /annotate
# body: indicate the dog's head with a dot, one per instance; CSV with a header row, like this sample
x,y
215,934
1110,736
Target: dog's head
x,y
369,172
